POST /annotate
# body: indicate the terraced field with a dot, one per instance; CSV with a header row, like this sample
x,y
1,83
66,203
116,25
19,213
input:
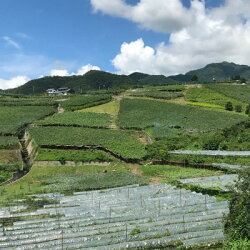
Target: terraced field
x,y
124,143
150,113
209,95
84,101
156,94
12,119
240,93
105,147
78,118
127,217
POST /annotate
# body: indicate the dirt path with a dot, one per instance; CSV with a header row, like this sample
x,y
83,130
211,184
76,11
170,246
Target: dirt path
x,y
134,169
60,109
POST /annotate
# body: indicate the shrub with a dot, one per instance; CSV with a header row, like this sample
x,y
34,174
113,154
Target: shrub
x,y
212,143
238,108
229,106
248,110
157,151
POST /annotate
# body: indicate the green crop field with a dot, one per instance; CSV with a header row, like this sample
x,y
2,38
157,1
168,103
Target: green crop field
x,y
84,101
124,143
238,92
73,155
78,118
171,88
29,101
70,178
155,94
210,96
141,114
9,142
75,182
14,118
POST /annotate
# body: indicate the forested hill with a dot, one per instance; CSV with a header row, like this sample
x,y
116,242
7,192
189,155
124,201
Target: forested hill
x,y
220,71
146,79
93,80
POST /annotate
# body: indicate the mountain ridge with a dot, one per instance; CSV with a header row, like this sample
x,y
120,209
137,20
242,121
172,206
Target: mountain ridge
x,y
95,79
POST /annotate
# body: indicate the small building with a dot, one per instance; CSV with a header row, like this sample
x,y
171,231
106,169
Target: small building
x,y
60,91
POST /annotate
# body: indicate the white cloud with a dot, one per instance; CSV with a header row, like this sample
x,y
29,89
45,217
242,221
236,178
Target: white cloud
x,y
13,82
159,15
198,36
59,72
9,41
81,71
84,69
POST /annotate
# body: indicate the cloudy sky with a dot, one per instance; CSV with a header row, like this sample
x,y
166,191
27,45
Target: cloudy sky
x,y
66,37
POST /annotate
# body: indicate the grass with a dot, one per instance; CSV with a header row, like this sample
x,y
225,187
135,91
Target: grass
x,y
111,108
205,105
141,114
10,162
73,155
77,118
10,156
204,159
124,143
5,175
34,182
174,173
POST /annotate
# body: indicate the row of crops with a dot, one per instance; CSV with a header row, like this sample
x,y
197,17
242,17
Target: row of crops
x,y
121,142
127,217
87,119
84,101
89,155
240,93
135,113
209,95
9,142
12,119
156,94
29,101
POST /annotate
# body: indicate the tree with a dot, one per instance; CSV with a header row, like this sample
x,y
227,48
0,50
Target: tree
x,y
237,224
229,106
194,78
157,151
248,110
212,142
238,108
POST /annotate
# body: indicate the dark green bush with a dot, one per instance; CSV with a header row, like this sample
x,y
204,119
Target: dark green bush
x,y
237,223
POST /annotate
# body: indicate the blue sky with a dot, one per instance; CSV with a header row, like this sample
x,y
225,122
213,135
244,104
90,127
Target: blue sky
x,y
39,36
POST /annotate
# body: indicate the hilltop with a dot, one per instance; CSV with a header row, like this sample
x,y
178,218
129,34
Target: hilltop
x,y
223,71
95,80
92,80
